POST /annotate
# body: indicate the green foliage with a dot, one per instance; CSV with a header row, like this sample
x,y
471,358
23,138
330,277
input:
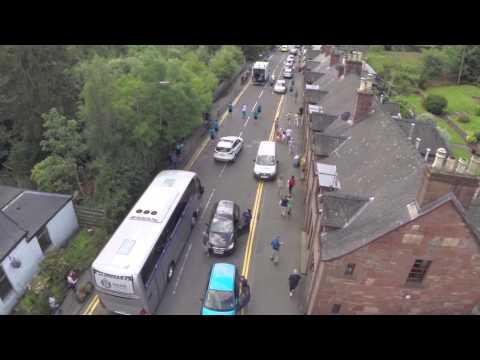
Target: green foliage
x,y
444,134
55,174
253,52
471,70
51,279
435,104
426,117
433,65
226,62
463,118
406,110
477,112
471,138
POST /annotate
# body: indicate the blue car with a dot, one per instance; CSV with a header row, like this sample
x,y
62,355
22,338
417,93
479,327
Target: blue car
x,y
221,297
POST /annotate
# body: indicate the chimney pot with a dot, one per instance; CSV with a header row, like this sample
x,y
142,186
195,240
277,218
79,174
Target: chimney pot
x,y
410,134
474,165
440,157
461,166
417,141
450,164
427,153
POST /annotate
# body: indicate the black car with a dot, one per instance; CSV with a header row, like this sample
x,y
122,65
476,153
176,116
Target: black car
x,y
223,227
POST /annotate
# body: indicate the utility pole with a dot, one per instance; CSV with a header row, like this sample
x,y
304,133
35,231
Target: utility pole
x,y
461,65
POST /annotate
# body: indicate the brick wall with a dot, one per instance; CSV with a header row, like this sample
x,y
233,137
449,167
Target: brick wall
x,y
451,284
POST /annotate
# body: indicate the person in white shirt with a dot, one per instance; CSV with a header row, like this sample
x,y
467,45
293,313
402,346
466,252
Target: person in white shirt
x,y
289,134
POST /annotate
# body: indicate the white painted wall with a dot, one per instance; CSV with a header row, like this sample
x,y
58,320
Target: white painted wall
x,y
63,225
30,256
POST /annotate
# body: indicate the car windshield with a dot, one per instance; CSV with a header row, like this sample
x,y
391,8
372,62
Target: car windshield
x,y
266,160
220,300
221,225
222,149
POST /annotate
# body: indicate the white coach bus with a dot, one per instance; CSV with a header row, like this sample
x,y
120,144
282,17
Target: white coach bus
x,y
133,269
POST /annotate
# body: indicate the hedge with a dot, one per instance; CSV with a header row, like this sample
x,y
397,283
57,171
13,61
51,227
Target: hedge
x,y
51,279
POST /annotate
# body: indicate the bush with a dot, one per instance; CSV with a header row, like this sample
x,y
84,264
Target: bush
x,y
477,135
471,139
435,104
463,118
426,117
444,134
79,254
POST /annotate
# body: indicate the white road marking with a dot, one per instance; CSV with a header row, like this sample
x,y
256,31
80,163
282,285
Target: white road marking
x,y
206,205
261,93
223,169
254,106
181,269
246,122
241,133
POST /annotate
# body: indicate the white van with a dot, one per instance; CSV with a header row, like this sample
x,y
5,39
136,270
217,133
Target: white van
x,y
266,162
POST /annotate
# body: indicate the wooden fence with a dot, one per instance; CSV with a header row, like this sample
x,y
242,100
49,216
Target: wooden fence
x,y
89,217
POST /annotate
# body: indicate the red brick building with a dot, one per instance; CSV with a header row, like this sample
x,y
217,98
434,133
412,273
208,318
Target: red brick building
x,y
387,231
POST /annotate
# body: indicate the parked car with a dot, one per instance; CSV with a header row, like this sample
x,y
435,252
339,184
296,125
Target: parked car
x,y
223,227
293,51
228,148
280,87
222,291
284,48
287,72
288,63
291,58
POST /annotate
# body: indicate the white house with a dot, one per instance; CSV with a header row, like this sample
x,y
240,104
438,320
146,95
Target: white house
x,y
30,223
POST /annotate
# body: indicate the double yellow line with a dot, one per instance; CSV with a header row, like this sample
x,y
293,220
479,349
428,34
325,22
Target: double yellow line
x,y
256,205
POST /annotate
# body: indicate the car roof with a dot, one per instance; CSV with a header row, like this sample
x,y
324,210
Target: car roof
x,y
225,207
222,277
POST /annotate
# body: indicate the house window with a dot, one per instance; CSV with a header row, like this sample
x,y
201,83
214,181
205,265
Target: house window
x,y
349,270
336,308
44,239
418,271
5,286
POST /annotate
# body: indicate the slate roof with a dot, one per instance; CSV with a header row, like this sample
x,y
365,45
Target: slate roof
x,y
314,96
8,193
339,208
369,166
311,76
320,121
32,210
311,54
10,234
350,48
311,65
391,108
425,130
323,144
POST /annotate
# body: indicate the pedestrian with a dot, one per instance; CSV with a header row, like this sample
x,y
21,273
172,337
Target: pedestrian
x,y
172,159
293,281
194,219
230,108
280,185
288,119
288,133
178,148
289,204
52,303
244,293
300,111
272,80
72,280
291,146
259,108
247,218
244,111
275,249
295,95
215,125
211,131
291,184
297,121
255,115
205,243
283,205
284,136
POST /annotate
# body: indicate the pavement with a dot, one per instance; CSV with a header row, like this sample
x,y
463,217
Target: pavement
x,y
269,283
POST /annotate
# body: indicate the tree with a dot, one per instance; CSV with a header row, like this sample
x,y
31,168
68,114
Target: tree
x,y
65,145
226,62
252,52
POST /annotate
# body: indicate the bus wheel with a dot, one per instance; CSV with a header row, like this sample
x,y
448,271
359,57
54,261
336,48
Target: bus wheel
x,y
170,271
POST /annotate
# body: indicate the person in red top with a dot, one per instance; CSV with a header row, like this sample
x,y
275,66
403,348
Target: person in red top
x,y
291,184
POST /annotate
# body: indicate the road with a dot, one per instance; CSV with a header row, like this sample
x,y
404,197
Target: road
x,y
236,182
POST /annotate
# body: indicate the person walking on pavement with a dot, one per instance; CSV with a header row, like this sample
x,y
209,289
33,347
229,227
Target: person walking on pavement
x,y
215,125
211,132
295,95
288,119
247,218
244,111
259,108
289,133
194,219
289,205
291,145
297,121
244,293
283,206
275,249
205,242
291,184
293,281
230,108
72,280
53,305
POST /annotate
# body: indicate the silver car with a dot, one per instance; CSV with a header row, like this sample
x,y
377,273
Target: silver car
x,y
228,148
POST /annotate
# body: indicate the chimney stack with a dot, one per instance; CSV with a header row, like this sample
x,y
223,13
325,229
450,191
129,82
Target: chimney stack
x,y
410,134
334,58
354,63
439,179
365,99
